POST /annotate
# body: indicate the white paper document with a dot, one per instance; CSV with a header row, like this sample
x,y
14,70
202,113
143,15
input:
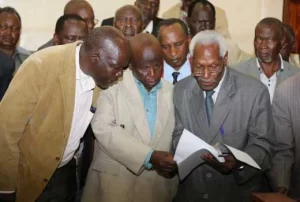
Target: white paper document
x,y
190,149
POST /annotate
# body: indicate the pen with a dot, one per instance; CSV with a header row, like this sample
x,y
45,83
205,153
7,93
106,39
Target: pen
x,y
222,131
223,155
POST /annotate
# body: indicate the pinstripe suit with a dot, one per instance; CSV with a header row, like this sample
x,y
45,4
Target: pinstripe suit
x,y
243,111
285,171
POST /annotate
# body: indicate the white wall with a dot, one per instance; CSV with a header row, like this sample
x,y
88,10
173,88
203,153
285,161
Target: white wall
x,y
39,16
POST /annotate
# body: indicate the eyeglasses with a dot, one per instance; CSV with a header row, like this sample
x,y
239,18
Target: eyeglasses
x,y
200,71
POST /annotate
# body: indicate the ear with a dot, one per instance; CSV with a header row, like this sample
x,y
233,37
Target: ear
x,y
225,58
189,38
135,3
190,60
55,39
94,57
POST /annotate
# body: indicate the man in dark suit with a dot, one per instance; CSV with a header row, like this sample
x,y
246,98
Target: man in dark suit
x,y
149,9
218,104
7,67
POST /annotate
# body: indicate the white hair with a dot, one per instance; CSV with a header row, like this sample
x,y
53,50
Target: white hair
x,y
208,37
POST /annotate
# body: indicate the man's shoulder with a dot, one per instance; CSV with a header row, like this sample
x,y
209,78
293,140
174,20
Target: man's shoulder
x,y
22,51
245,65
107,21
172,12
245,82
46,45
290,67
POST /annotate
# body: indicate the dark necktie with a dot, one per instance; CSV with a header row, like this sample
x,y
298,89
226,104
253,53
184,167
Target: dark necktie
x,y
175,76
209,104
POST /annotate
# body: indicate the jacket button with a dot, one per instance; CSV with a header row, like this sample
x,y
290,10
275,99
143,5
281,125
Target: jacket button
x,y
209,175
45,180
205,196
57,158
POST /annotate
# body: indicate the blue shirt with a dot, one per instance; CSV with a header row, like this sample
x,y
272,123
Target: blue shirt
x,y
149,100
185,71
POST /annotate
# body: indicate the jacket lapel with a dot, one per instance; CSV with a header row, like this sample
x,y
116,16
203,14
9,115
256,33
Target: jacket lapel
x,y
68,84
162,115
134,103
198,111
253,69
222,106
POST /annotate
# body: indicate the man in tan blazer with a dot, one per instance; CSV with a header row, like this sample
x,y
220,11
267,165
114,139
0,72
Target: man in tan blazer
x,y
202,16
47,110
180,11
133,126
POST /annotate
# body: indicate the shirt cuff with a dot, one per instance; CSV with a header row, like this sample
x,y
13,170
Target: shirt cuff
x,y
7,192
147,163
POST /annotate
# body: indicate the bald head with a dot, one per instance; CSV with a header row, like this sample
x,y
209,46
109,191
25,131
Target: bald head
x,y
128,19
104,54
147,59
83,9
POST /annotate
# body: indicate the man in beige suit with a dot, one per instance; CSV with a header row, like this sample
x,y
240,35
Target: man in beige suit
x,y
202,16
180,11
133,126
47,110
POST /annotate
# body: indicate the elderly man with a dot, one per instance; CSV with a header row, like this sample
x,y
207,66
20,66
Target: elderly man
x,y
81,8
133,126
69,28
174,40
149,9
128,19
202,16
47,110
268,66
288,46
285,173
10,30
218,104
180,11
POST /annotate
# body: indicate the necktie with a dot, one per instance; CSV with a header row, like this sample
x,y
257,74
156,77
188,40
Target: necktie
x,y
175,76
209,104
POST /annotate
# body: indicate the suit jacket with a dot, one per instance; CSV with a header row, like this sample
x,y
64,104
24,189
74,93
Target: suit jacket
x,y
221,19
39,110
285,171
243,113
46,45
123,142
235,54
7,67
110,22
249,67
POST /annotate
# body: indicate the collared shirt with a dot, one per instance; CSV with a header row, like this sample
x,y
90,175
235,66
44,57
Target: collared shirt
x,y
150,104
184,71
20,55
81,114
217,89
272,81
149,27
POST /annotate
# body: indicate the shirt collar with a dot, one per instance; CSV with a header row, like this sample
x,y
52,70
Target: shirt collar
x,y
142,87
84,79
281,65
217,89
149,27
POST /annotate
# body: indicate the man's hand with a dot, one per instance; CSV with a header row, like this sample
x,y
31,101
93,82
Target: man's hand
x,y
282,190
227,167
163,164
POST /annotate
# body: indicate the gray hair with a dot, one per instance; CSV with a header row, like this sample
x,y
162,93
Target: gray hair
x,y
208,37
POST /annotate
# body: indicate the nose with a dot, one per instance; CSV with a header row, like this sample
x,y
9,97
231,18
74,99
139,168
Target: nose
x,y
152,72
119,74
173,52
206,73
128,23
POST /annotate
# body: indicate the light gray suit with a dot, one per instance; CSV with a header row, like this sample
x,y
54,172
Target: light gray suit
x,y
285,171
243,111
249,67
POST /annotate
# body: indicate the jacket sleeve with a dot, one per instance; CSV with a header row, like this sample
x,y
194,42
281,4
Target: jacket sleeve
x,y
16,109
261,137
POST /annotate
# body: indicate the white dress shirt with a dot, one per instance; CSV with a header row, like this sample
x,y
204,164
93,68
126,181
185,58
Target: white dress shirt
x,y
149,27
81,115
217,89
272,81
184,71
